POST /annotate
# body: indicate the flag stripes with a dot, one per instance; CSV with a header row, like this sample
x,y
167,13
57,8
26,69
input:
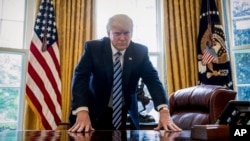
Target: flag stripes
x,y
207,57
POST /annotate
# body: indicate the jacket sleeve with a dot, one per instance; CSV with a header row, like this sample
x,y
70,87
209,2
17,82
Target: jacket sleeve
x,y
81,80
153,83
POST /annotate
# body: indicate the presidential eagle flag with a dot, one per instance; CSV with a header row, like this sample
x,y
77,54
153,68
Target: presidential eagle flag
x,y
213,57
43,82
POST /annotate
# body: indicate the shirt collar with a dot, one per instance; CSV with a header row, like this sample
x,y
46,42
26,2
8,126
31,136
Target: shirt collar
x,y
114,50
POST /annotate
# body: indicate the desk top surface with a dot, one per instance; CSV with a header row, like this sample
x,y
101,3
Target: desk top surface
x,y
107,135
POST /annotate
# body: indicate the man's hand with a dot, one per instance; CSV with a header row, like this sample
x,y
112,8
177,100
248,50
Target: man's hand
x,y
82,123
166,122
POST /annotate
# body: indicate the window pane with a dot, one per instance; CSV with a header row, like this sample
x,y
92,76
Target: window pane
x,y
143,14
9,104
12,23
240,18
242,61
242,68
243,92
12,10
10,34
155,61
12,68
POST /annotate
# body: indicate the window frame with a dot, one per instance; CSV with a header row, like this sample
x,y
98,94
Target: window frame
x,y
227,17
30,7
24,54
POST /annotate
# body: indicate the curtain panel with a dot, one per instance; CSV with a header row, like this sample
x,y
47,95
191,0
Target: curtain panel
x,y
181,28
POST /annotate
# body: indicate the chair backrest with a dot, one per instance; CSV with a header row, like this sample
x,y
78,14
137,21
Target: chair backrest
x,y
199,105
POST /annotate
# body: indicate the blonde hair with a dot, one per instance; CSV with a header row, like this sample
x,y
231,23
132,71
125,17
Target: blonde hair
x,y
120,20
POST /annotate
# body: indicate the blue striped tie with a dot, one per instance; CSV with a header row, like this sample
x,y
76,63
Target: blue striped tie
x,y
117,92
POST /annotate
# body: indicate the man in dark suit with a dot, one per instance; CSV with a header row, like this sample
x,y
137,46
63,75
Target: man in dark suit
x,y
92,83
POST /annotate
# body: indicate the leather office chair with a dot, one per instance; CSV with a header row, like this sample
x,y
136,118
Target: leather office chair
x,y
198,105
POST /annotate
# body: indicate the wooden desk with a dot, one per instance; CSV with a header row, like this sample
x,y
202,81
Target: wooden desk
x,y
64,135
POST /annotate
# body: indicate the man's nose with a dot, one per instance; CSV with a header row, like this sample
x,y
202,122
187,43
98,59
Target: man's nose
x,y
123,36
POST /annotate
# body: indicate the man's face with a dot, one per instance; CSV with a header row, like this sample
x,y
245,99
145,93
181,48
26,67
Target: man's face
x,y
120,37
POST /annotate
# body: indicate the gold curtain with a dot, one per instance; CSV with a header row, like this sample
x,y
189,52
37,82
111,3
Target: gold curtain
x,y
75,21
181,22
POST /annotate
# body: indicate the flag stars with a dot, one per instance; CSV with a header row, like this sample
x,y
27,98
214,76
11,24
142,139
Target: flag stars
x,y
43,28
40,7
49,28
50,15
209,13
38,20
41,35
48,35
53,37
45,24
39,14
50,22
36,27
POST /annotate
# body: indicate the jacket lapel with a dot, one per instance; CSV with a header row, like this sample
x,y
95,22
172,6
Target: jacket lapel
x,y
108,61
127,65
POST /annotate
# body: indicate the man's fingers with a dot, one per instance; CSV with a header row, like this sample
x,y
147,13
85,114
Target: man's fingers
x,y
80,129
174,127
167,127
171,127
177,128
158,127
74,128
89,128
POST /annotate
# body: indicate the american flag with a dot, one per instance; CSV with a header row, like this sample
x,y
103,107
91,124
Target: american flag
x,y
43,82
208,56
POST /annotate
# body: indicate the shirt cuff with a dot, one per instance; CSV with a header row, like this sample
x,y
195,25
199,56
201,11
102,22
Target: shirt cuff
x,y
161,106
74,112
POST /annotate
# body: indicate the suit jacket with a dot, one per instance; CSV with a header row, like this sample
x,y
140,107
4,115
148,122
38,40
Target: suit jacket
x,y
93,78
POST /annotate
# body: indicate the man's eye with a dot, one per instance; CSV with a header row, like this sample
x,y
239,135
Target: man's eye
x,y
117,33
120,33
126,33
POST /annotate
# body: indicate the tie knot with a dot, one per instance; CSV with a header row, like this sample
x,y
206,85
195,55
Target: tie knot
x,y
118,54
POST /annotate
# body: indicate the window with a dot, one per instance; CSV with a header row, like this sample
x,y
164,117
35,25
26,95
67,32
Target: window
x,y
146,15
13,56
238,30
12,83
